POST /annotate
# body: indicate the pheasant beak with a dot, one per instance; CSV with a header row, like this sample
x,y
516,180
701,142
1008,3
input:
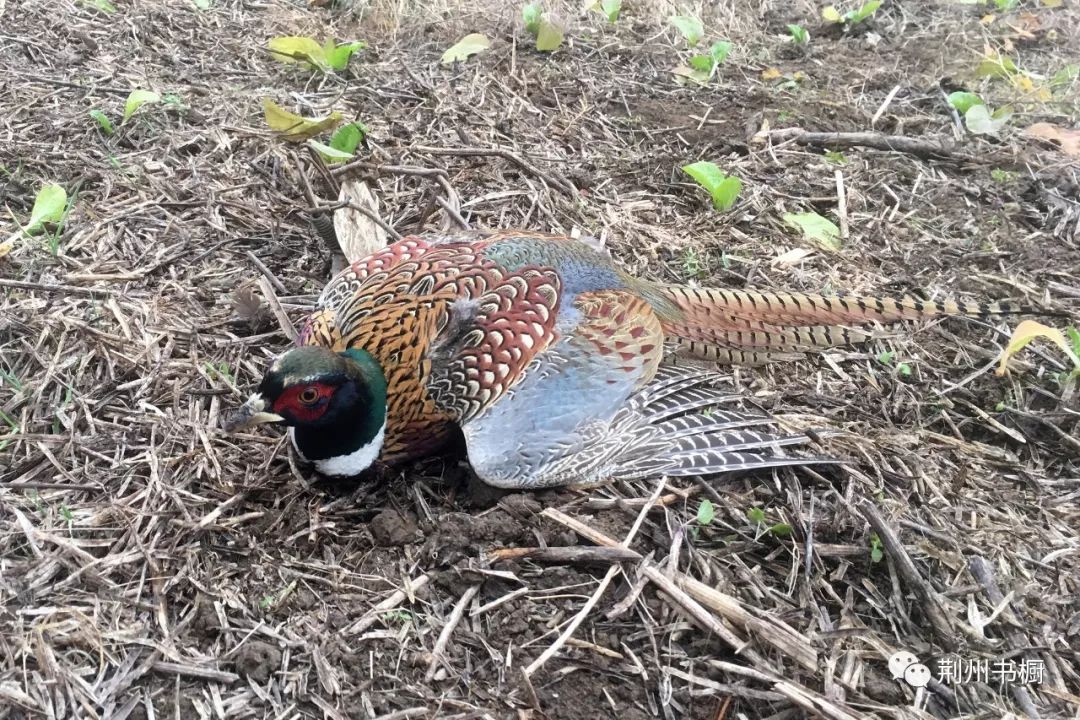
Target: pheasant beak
x,y
251,413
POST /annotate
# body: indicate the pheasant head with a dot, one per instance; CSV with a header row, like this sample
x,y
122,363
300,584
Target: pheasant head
x,y
333,403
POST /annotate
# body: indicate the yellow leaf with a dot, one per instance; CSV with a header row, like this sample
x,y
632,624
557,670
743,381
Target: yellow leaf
x,y
466,47
1051,3
1027,331
988,19
830,14
6,247
295,128
770,74
297,49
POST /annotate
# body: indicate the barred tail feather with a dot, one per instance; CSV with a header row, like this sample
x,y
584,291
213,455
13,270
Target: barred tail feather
x,y
746,327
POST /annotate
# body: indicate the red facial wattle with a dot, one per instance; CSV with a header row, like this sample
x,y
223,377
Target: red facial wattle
x,y
304,403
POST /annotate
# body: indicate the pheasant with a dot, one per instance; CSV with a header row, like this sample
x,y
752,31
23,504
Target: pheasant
x,y
553,362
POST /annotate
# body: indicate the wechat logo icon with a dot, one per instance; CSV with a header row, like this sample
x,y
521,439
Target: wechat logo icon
x,y
905,666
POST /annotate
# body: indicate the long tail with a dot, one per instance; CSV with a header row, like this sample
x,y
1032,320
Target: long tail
x,y
745,327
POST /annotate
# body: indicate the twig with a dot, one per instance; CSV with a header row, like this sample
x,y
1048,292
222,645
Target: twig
x,y
195,671
766,629
550,179
572,555
877,141
50,287
396,598
448,629
983,572
841,204
591,602
884,105
267,274
931,604
279,312
452,212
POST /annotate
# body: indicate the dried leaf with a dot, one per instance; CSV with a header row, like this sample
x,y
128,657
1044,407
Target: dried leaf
x,y
293,127
771,74
465,48
1067,139
791,257
1027,331
357,234
247,304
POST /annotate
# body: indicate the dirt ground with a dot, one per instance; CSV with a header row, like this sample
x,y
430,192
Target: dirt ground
x,y
153,567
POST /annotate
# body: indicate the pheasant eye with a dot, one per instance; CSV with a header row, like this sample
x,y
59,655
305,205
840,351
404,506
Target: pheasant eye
x,y
309,396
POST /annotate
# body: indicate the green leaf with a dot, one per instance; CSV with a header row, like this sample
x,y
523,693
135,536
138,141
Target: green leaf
x,y
719,51
137,99
690,27
835,157
816,228
299,49
830,14
330,154
886,358
103,5
1065,76
702,63
780,530
996,66
549,37
348,138
980,121
876,552
103,121
202,4
611,9
1074,338
756,516
706,513
863,12
799,34
723,188
48,208
693,74
963,101
531,15
466,47
904,369
338,55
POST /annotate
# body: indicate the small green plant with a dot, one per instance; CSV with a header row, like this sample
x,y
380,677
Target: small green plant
x,y
977,116
706,513
343,143
886,357
835,157
705,66
1006,5
549,35
1003,177
723,188
531,15
690,27
220,369
101,5
877,550
103,122
816,228
851,17
799,34
757,518
136,100
308,52
608,8
397,617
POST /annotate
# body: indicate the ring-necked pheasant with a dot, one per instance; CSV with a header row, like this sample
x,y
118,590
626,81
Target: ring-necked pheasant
x,y
548,357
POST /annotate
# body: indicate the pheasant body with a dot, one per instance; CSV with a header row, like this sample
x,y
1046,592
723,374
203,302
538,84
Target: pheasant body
x,y
550,360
